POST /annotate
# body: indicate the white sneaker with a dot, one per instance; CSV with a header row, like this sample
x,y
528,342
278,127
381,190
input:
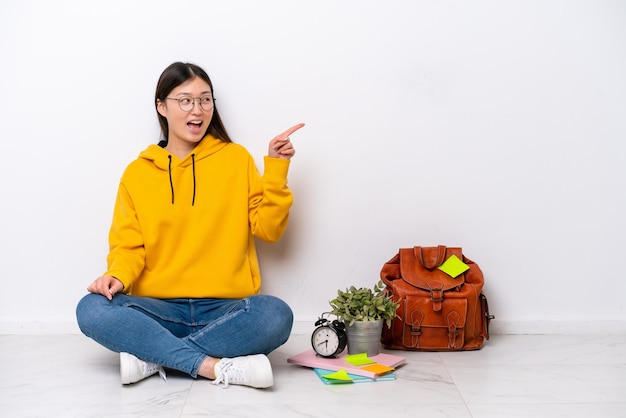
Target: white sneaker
x,y
133,370
255,371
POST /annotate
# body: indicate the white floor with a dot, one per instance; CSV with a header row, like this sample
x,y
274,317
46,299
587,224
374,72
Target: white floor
x,y
512,376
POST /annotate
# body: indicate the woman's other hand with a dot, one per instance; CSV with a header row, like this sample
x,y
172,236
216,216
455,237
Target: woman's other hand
x,y
106,286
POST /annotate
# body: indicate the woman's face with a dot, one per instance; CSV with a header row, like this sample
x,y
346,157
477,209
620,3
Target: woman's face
x,y
188,110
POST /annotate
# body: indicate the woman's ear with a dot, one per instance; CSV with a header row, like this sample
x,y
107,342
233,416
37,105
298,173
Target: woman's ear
x,y
161,108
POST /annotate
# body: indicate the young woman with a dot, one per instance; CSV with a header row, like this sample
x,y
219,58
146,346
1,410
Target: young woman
x,y
182,286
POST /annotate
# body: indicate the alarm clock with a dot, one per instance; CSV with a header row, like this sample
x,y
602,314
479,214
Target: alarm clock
x,y
329,338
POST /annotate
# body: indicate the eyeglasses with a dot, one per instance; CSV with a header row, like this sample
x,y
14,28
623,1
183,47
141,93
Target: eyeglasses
x,y
186,103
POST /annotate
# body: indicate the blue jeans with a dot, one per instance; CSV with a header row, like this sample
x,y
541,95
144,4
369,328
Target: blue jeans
x,y
180,333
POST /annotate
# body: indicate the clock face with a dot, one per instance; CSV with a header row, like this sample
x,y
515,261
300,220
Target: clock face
x,y
325,341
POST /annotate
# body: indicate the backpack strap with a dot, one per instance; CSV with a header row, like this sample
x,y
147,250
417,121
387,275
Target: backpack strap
x,y
430,257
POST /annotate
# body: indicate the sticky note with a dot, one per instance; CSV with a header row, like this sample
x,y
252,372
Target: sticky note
x,y
377,368
453,266
359,359
338,375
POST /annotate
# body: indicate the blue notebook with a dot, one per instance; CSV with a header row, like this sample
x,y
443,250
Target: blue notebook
x,y
355,378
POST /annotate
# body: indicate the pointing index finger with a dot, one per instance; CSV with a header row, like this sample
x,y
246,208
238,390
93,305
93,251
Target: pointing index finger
x,y
290,131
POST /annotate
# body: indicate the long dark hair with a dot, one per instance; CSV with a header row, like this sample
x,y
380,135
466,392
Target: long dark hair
x,y
172,77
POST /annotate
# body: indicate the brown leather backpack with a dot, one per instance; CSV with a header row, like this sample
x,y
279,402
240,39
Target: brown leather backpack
x,y
437,312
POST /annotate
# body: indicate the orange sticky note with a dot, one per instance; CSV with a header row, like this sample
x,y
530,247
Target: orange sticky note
x,y
378,368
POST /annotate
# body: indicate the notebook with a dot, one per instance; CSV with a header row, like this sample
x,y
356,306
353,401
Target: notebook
x,y
355,378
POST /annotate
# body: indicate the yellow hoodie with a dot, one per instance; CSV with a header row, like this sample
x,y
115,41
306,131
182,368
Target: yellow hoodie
x,y
185,228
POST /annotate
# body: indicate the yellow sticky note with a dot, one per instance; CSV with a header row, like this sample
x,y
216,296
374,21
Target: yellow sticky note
x,y
453,266
378,368
359,359
338,375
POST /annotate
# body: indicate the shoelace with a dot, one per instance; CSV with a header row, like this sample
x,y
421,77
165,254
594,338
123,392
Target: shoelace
x,y
228,372
151,368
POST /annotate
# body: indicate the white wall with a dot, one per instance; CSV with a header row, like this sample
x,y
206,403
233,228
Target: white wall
x,y
496,126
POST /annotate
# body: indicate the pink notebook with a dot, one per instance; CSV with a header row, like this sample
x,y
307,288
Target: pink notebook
x,y
310,359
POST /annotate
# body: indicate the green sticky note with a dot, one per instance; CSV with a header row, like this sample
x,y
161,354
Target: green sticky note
x,y
359,359
338,375
453,266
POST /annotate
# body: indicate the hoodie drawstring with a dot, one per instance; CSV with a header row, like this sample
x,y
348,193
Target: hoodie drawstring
x,y
171,184
193,170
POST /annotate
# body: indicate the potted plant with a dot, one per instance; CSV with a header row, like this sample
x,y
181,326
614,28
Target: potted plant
x,y
364,311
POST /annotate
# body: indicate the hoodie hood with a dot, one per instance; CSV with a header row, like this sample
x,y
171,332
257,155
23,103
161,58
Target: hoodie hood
x,y
160,157
165,161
